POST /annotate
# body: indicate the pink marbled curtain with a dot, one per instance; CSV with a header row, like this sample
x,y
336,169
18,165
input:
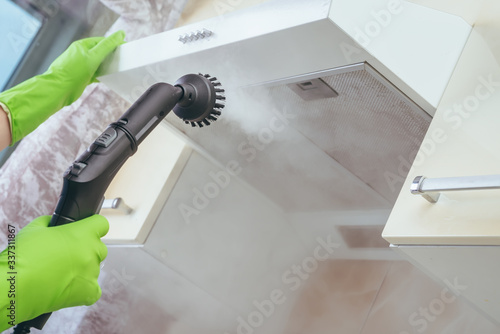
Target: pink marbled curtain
x,y
31,180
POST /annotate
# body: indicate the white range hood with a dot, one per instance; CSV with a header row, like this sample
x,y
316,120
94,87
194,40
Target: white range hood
x,y
414,47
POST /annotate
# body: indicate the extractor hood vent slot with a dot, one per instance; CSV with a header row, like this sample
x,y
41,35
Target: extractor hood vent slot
x,y
314,89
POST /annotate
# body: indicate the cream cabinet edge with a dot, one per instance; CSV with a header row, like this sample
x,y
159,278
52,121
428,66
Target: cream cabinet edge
x,y
462,140
145,183
456,240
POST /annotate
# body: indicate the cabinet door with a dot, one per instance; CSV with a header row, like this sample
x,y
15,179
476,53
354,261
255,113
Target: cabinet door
x,y
472,272
463,140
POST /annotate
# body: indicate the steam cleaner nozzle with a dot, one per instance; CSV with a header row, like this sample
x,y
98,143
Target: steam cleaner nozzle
x,y
202,101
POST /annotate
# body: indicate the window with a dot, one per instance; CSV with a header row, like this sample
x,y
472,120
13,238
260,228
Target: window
x,y
18,28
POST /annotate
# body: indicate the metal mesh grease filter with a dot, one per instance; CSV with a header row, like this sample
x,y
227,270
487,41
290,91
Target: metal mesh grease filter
x,y
371,130
330,154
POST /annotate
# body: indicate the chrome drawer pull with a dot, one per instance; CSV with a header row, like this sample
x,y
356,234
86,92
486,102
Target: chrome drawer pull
x,y
117,204
430,189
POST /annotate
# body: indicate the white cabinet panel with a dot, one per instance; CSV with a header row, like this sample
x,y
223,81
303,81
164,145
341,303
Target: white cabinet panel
x,y
468,271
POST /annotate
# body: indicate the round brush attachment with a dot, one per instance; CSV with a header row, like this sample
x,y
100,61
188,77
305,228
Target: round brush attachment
x,y
202,100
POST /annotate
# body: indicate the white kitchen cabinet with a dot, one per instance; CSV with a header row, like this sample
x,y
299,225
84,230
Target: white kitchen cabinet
x,y
458,237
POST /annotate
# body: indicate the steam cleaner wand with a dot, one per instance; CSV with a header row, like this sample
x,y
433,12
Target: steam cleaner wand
x,y
195,98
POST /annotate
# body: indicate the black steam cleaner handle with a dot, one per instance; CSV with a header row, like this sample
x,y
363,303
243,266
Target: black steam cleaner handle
x,y
86,180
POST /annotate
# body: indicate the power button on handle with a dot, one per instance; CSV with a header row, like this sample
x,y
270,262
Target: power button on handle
x,y
77,168
106,138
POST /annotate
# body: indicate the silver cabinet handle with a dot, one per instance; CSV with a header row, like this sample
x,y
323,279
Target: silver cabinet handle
x,y
117,204
430,189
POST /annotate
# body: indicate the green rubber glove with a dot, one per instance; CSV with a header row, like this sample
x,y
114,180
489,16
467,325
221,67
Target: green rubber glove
x,y
56,267
33,101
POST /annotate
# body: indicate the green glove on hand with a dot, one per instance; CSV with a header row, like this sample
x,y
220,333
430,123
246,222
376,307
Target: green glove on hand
x,y
56,267
33,101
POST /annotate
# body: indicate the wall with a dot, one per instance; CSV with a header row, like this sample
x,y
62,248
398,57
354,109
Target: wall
x,y
235,245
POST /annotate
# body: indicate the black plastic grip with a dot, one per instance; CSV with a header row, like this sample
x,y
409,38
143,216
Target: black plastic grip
x,y
89,176
86,180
